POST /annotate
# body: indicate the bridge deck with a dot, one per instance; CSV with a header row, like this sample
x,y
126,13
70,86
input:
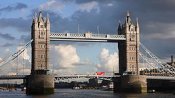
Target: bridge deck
x,y
3,77
87,37
161,77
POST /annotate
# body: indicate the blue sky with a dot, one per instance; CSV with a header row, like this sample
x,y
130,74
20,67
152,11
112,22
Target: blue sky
x,y
156,18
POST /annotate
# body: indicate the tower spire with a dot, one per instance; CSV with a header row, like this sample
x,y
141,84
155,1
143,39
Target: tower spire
x,y
35,16
35,21
128,14
137,24
119,28
128,19
40,17
47,19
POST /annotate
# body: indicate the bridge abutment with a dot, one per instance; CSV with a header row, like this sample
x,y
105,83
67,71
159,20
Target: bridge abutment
x,y
40,84
130,84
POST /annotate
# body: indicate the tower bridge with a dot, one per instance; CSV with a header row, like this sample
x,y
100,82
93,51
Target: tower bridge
x,y
130,55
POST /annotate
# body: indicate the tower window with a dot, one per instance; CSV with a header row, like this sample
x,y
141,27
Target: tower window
x,y
132,37
41,35
42,26
42,55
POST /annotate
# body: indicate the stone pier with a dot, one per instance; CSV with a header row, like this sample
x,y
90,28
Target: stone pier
x,y
40,84
130,84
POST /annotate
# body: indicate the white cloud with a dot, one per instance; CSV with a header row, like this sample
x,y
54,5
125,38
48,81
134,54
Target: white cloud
x,y
67,9
7,50
25,55
108,62
88,6
109,4
64,56
168,33
52,5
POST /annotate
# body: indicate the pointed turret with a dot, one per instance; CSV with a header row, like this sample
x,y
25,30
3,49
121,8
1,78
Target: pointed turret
x,y
40,14
119,28
128,19
40,17
47,22
35,22
47,19
137,24
128,14
35,16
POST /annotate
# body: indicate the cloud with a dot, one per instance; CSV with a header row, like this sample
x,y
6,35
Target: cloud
x,y
110,4
88,6
52,5
156,34
7,45
25,55
7,36
65,56
64,59
61,7
108,62
18,6
20,24
26,38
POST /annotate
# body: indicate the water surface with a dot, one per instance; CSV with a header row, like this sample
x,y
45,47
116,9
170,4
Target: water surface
x,y
69,93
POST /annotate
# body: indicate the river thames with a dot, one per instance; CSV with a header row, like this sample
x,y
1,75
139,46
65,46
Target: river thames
x,y
69,93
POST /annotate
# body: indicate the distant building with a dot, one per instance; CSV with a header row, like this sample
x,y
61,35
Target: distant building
x,y
172,63
93,82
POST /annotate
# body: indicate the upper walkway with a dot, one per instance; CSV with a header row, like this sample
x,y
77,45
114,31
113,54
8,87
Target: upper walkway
x,y
86,37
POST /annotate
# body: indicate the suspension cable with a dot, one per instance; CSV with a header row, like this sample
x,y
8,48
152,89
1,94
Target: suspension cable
x,y
16,54
167,68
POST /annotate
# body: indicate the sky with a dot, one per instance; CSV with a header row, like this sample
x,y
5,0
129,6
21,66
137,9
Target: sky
x,y
156,19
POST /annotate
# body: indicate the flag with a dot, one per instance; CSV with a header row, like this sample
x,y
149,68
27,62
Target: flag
x,y
100,73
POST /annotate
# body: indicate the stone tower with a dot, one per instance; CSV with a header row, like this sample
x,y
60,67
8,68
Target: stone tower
x,y
40,81
40,45
129,49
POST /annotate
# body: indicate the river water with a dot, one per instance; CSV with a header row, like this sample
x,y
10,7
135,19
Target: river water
x,y
69,93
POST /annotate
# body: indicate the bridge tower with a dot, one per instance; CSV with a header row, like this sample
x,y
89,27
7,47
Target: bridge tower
x,y
130,80
40,82
129,49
